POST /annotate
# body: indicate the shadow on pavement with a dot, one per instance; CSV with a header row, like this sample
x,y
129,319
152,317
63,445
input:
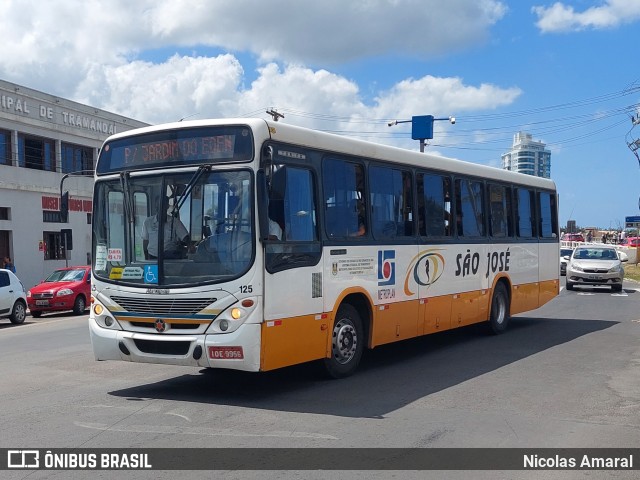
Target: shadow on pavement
x,y
389,377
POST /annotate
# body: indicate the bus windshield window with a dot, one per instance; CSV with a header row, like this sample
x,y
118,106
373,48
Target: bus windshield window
x,y
181,232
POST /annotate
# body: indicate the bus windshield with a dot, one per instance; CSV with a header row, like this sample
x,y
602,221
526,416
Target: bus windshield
x,y
174,229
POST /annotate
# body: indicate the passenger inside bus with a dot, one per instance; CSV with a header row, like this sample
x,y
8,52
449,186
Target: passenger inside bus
x,y
176,236
275,232
358,206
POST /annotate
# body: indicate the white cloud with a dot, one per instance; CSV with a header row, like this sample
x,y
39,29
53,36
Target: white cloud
x,y
41,44
119,56
327,31
562,18
169,91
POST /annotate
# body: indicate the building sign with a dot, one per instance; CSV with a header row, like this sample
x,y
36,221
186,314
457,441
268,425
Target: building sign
x,y
75,204
42,110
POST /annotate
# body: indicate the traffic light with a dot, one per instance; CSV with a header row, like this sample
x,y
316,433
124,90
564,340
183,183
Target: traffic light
x,y
64,207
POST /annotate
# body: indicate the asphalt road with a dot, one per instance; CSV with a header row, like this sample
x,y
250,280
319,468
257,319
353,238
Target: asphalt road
x,y
566,375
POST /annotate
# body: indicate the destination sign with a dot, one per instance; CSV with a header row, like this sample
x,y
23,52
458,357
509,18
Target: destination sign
x,y
177,147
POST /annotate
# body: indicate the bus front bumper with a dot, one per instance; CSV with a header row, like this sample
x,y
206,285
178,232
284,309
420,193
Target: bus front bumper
x,y
238,350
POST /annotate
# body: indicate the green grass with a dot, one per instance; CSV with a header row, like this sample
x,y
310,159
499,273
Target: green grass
x,y
632,271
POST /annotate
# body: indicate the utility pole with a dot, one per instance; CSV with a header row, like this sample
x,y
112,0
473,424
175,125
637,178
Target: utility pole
x,y
275,114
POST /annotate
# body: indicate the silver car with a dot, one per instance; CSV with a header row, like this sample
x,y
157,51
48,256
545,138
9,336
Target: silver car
x,y
565,255
592,265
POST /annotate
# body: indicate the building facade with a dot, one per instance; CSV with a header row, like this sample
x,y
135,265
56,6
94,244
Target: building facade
x,y
48,144
528,156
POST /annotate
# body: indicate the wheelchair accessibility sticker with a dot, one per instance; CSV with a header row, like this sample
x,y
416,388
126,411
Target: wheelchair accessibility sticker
x,y
151,274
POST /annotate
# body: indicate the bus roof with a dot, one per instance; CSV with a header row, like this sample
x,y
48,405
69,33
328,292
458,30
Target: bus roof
x,y
317,139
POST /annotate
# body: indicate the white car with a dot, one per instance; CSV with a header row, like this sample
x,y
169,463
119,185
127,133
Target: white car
x,y
13,298
592,265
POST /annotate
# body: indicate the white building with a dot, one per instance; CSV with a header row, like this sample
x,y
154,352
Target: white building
x,y
42,139
528,156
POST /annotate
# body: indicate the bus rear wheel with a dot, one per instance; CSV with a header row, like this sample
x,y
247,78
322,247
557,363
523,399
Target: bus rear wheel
x,y
347,343
499,316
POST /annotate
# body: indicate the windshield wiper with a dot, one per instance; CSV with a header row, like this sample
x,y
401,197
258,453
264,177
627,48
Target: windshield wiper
x,y
194,179
126,194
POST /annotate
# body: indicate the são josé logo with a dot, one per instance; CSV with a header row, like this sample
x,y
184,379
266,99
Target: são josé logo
x,y
424,269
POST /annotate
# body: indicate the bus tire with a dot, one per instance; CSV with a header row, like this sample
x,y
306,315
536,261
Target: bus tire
x,y
347,343
499,315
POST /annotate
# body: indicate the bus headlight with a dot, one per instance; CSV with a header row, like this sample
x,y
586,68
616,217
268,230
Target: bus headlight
x,y
103,317
233,317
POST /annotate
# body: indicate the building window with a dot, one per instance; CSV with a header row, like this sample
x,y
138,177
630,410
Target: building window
x,y
4,213
36,152
50,216
76,158
54,246
5,147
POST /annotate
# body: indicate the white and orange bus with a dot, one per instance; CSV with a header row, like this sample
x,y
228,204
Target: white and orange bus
x,y
253,245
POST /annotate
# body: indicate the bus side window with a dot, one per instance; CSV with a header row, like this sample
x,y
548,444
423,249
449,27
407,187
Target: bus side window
x,y
469,208
526,213
434,205
345,199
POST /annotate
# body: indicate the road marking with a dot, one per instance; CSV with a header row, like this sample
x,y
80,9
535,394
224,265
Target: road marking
x,y
178,415
201,431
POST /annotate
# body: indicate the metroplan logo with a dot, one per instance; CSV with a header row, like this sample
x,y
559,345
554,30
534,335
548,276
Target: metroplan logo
x,y
386,267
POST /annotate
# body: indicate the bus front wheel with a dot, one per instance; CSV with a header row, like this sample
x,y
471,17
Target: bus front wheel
x,y
347,343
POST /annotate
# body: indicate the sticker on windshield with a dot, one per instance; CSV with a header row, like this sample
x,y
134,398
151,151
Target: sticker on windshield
x,y
101,257
114,255
115,273
151,274
134,273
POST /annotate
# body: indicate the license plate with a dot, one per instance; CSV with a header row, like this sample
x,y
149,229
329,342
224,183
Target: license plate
x,y
595,277
42,303
226,353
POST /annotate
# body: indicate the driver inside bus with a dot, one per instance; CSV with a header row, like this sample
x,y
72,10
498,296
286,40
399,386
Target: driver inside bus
x,y
176,236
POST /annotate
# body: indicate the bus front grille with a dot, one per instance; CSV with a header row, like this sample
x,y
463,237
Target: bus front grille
x,y
164,306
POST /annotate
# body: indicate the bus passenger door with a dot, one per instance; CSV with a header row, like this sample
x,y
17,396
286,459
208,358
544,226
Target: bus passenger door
x,y
293,330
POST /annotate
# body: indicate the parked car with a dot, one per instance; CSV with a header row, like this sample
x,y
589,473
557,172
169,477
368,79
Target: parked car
x,y
13,299
596,266
565,255
65,289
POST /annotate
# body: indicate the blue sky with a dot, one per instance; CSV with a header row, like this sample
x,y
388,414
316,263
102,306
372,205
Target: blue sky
x,y
565,71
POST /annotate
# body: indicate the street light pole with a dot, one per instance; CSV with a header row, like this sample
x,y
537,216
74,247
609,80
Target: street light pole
x,y
422,127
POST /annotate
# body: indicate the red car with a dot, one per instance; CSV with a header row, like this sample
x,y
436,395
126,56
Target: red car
x,y
65,289
631,242
573,237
